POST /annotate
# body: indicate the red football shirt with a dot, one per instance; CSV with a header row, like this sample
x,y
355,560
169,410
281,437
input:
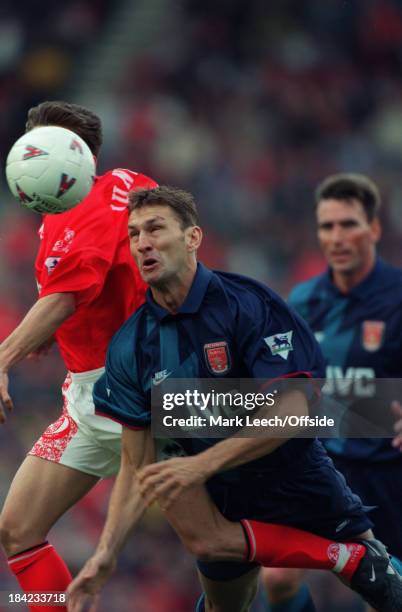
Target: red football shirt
x,y
86,251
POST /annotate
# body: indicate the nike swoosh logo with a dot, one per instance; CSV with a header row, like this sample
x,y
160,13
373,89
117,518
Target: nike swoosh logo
x,y
372,577
160,380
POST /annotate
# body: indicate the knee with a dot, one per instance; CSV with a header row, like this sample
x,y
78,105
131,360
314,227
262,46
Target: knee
x,y
281,584
6,535
201,548
14,537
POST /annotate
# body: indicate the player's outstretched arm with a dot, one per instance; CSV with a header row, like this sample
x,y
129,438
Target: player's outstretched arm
x,y
126,507
38,325
167,480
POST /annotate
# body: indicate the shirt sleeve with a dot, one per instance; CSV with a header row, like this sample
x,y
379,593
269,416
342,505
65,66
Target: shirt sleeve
x,y
88,255
277,343
117,394
82,273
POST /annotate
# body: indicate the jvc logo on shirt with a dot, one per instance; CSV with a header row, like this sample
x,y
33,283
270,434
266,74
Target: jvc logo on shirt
x,y
359,381
280,344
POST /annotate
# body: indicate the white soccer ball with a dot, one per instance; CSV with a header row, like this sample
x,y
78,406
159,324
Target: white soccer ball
x,y
50,169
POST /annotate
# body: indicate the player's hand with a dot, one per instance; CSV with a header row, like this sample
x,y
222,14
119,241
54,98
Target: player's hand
x,y
6,403
396,408
165,481
85,587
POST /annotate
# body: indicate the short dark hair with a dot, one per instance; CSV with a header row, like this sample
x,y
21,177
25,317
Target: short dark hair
x,y
348,186
74,117
181,202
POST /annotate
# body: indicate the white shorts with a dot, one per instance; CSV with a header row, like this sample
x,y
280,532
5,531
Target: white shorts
x,y
79,438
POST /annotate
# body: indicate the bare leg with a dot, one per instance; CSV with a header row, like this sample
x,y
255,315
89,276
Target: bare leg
x,y
230,595
281,584
40,493
203,530
210,537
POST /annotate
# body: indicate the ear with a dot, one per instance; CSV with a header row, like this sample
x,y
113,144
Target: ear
x,y
376,229
193,238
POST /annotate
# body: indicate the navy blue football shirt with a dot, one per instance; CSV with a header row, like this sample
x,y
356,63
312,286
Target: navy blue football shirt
x,y
225,328
360,334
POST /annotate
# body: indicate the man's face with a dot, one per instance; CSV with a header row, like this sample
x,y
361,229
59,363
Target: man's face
x,y
346,237
158,243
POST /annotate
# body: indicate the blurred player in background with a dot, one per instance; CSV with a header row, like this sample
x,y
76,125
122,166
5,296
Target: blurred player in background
x,y
88,285
200,324
355,311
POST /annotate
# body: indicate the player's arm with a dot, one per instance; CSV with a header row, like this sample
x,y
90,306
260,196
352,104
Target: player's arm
x,y
233,452
38,325
167,480
126,507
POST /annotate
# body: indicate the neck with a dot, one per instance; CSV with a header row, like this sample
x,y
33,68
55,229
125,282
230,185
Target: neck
x,y
346,281
171,293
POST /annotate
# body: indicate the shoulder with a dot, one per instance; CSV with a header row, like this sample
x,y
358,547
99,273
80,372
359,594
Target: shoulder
x,y
114,186
249,297
242,288
389,274
126,179
303,292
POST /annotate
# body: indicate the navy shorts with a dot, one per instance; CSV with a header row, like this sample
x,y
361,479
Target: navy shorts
x,y
379,485
310,495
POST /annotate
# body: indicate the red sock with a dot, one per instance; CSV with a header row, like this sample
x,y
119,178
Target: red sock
x,y
40,568
282,546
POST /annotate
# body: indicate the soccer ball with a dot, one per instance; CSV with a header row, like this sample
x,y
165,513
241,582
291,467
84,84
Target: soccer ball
x,y
50,169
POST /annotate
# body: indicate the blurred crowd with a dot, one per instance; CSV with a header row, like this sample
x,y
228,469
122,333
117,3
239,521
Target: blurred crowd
x,y
248,105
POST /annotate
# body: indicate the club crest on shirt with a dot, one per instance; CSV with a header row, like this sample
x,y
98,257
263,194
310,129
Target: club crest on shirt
x,y
372,335
280,344
217,357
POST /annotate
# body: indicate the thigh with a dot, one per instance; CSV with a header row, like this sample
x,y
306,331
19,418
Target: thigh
x,y
202,528
198,522
231,595
218,544
40,493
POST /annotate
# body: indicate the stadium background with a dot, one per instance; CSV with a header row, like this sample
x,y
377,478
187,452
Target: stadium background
x,y
247,105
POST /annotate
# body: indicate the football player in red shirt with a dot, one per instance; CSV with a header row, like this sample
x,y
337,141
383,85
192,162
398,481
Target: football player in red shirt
x,y
88,286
